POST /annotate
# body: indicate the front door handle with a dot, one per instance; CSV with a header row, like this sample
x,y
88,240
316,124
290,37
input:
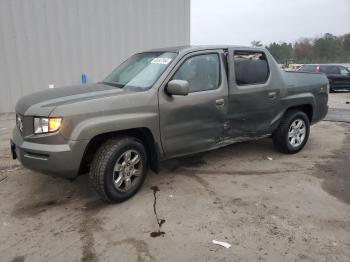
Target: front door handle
x,y
272,95
220,102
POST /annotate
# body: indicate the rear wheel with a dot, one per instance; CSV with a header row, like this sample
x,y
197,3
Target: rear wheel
x,y
293,132
119,169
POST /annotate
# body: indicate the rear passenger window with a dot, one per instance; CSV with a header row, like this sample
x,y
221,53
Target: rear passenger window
x,y
250,67
334,70
308,69
325,69
201,71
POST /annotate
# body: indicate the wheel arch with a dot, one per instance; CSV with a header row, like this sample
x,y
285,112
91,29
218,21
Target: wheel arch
x,y
306,108
143,134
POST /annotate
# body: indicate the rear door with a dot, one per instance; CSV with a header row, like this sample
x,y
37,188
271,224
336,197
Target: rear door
x,y
342,80
338,76
195,122
253,98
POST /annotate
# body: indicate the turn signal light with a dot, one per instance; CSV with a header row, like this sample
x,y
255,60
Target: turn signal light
x,y
54,124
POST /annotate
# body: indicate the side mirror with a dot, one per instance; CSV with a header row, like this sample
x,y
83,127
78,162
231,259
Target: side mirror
x,y
178,87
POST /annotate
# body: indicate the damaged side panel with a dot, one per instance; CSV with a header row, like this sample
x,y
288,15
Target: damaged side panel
x,y
195,122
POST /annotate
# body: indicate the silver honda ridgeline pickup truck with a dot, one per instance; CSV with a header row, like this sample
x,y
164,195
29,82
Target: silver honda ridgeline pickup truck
x,y
163,104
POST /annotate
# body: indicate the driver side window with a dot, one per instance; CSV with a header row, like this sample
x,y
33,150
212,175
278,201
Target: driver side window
x,y
201,71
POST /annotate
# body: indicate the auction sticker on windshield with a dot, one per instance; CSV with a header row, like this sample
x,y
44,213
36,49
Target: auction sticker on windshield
x,y
161,60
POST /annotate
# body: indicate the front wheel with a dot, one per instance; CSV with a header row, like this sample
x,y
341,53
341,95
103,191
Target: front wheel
x,y
293,132
119,169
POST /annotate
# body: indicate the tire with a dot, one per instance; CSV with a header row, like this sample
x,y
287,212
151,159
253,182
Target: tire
x,y
115,173
287,130
331,90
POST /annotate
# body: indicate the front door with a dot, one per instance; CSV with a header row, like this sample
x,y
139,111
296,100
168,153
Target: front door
x,y
195,122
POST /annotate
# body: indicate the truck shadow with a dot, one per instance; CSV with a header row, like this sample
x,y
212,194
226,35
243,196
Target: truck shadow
x,y
50,192
252,150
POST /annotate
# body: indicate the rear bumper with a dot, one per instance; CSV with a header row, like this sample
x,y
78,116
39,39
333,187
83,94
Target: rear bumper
x,y
59,160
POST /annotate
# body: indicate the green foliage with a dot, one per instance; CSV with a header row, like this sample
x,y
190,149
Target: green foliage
x,y
281,52
325,49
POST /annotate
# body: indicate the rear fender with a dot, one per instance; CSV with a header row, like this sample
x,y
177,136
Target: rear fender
x,y
294,101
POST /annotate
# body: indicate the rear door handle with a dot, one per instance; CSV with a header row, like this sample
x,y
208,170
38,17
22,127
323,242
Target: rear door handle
x,y
272,95
220,102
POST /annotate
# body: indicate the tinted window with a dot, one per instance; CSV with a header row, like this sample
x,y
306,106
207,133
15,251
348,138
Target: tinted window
x,y
307,68
202,72
343,71
250,67
325,69
334,70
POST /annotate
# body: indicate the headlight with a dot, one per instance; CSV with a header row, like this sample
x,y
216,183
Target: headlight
x,y
47,124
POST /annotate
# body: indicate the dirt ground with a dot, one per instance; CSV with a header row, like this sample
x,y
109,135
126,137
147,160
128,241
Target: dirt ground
x,y
268,206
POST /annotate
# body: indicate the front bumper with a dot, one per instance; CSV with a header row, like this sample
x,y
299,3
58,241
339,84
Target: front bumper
x,y
60,160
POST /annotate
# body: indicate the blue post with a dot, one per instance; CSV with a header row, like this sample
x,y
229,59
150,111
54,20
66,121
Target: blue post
x,y
83,78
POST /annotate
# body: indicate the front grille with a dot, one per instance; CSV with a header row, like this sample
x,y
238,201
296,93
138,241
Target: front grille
x,y
19,123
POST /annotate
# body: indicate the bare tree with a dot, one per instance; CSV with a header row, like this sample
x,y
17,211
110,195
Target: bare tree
x,y
256,43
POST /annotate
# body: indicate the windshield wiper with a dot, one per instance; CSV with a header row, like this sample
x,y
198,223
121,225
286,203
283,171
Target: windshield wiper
x,y
111,84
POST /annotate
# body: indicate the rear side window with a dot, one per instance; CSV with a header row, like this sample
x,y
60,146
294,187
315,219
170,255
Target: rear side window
x,y
330,70
325,69
251,67
334,70
201,71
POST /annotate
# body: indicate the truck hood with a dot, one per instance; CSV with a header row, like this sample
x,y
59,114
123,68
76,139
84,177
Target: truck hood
x,y
43,102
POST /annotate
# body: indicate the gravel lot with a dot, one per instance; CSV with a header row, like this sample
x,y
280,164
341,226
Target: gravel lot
x,y
268,206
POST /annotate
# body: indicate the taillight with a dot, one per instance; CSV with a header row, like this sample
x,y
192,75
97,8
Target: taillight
x,y
317,69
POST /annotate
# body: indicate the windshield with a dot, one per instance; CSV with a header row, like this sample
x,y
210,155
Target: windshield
x,y
140,71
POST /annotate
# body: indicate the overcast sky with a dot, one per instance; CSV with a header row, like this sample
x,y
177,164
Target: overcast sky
x,y
242,21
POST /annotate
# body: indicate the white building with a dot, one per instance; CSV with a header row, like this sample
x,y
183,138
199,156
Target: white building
x,y
54,42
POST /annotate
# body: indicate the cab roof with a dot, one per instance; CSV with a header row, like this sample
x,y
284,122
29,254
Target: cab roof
x,y
192,48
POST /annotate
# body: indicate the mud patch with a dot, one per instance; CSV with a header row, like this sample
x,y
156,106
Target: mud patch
x,y
142,249
237,202
331,224
206,185
200,181
160,221
88,225
18,259
335,173
3,178
36,208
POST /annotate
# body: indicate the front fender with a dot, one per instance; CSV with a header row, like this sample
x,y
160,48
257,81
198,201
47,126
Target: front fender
x,y
91,127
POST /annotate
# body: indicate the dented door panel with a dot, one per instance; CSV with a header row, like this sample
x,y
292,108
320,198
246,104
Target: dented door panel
x,y
252,108
195,122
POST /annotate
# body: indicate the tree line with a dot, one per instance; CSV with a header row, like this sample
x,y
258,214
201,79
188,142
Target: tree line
x,y
325,49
